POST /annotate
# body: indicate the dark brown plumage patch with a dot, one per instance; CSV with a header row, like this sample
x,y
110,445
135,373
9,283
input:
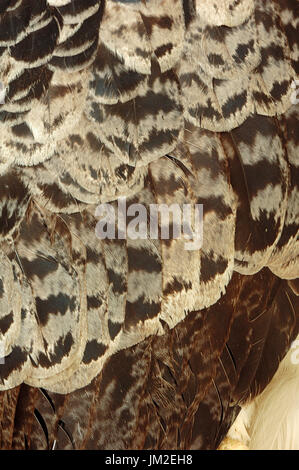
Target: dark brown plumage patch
x,y
93,351
151,342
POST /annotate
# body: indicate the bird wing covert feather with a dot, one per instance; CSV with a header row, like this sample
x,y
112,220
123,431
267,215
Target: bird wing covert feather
x,y
159,102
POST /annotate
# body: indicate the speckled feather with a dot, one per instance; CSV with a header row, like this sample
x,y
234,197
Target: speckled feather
x,y
173,102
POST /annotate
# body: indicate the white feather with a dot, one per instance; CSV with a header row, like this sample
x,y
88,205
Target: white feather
x,y
271,421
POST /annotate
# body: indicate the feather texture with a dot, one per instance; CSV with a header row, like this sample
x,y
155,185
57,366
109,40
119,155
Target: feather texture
x,y
175,103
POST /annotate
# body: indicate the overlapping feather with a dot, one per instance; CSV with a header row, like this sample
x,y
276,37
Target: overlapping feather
x,y
158,102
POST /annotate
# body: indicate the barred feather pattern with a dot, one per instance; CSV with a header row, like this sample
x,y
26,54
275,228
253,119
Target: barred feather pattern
x,y
177,391
173,102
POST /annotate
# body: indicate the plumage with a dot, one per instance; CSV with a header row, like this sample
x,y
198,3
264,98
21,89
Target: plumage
x,y
135,342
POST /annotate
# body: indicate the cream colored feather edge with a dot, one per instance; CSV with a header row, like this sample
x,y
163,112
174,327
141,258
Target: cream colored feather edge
x,y
271,421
